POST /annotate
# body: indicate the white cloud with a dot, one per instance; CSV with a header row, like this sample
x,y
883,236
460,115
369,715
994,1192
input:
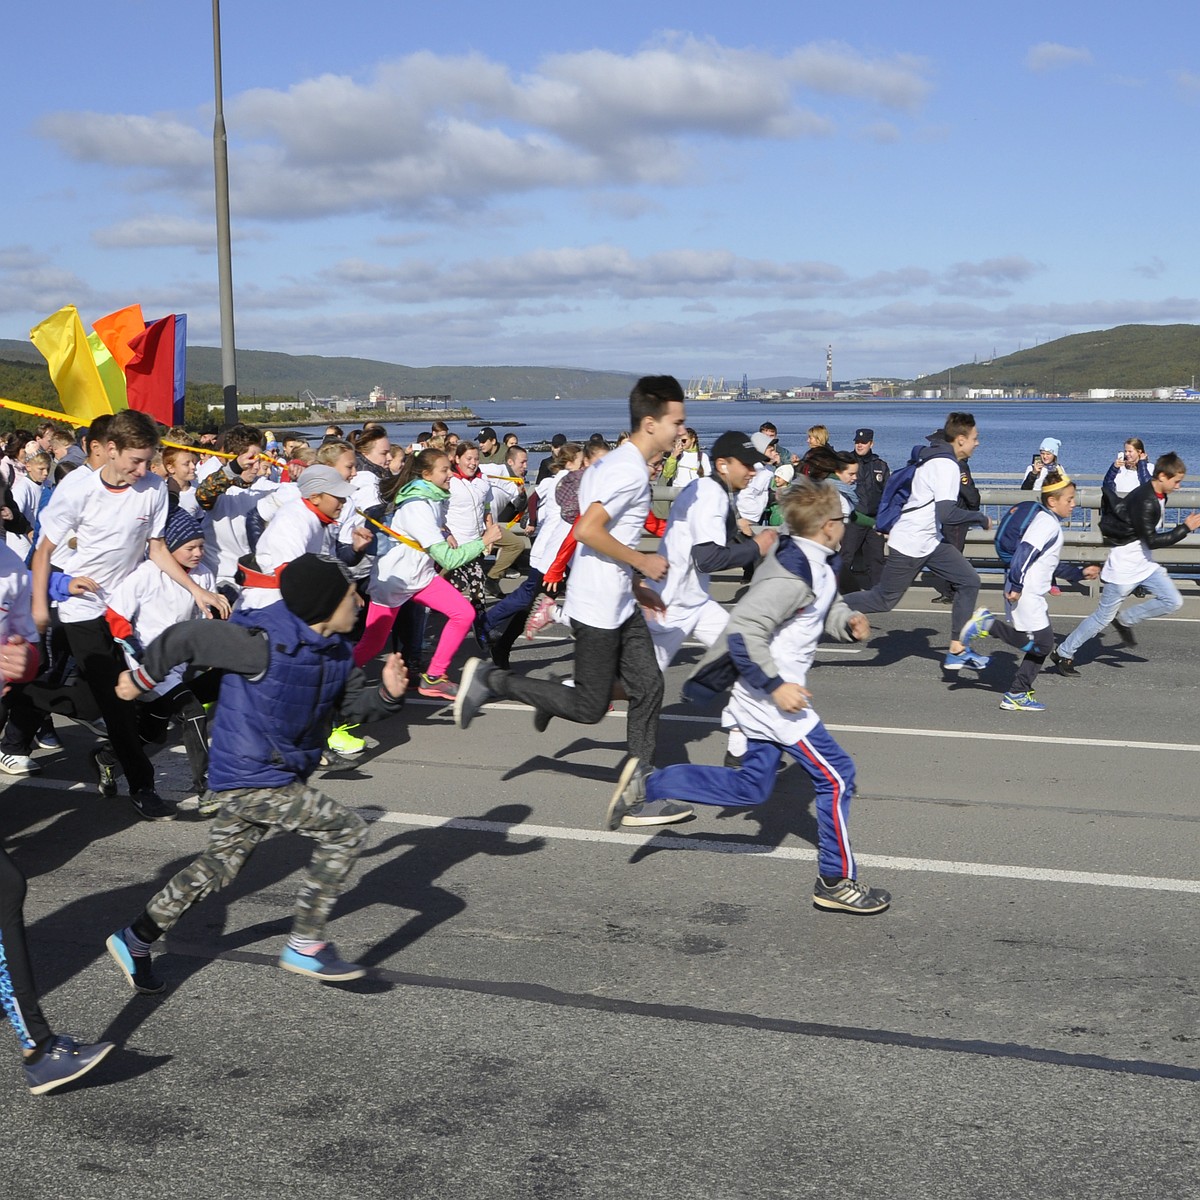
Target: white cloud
x,y
159,230
31,283
1188,82
1049,56
429,133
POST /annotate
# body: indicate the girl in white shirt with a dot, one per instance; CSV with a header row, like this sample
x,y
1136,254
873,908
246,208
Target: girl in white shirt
x,y
408,570
691,463
468,516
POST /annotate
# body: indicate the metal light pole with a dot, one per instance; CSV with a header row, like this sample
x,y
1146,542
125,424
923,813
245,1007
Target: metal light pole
x,y
224,254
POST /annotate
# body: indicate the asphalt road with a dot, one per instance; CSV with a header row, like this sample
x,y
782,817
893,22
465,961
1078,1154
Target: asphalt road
x,y
556,1011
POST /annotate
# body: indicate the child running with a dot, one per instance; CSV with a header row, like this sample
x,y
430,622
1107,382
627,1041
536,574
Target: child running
x,y
288,668
1130,564
765,653
140,608
604,605
1035,564
408,570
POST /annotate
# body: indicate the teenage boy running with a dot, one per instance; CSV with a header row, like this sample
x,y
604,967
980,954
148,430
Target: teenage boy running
x,y
116,517
288,667
1129,565
915,542
765,653
605,601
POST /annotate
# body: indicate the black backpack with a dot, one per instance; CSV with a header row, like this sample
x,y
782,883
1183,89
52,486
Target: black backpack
x,y
1114,524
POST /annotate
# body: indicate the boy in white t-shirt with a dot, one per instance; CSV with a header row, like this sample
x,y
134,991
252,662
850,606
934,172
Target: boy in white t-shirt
x,y
115,516
605,601
148,603
915,540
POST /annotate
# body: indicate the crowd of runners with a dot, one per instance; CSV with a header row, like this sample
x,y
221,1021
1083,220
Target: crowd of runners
x,y
266,597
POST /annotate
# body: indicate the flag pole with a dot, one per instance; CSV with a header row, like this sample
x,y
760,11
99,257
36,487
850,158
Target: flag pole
x,y
224,254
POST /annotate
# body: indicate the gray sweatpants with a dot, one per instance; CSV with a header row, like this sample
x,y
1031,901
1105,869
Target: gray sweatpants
x,y
899,571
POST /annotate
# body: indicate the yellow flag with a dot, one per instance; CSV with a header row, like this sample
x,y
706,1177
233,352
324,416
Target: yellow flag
x,y
64,346
111,375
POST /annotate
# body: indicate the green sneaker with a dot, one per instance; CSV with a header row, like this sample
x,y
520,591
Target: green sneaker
x,y
343,742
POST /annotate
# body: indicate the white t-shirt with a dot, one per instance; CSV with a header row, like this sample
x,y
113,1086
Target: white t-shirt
x,y
551,528
401,571
916,531
689,467
698,515
112,528
752,499
1132,563
470,503
294,530
601,591
16,596
151,601
1125,481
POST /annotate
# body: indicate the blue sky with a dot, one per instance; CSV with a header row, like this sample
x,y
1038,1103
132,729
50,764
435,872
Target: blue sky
x,y
693,188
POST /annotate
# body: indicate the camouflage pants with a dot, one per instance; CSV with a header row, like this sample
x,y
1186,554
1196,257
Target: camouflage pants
x,y
246,817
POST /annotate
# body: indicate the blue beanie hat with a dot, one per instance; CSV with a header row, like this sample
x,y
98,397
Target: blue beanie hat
x,y
182,528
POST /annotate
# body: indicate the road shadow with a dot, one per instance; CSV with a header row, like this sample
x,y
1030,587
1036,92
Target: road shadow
x,y
409,880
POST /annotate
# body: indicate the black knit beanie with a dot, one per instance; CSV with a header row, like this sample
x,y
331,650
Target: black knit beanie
x,y
313,586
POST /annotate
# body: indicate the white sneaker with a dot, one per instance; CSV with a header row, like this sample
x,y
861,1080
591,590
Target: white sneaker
x,y
18,764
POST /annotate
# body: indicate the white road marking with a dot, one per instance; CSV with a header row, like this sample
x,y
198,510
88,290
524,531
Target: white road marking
x,y
885,862
1024,739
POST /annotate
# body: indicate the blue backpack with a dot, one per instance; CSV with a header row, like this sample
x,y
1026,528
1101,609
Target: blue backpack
x,y
898,490
1012,528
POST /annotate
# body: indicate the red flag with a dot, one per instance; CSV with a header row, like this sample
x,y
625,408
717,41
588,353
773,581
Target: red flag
x,y
150,373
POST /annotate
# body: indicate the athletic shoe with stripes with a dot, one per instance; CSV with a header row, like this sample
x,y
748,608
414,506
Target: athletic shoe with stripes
x,y
850,896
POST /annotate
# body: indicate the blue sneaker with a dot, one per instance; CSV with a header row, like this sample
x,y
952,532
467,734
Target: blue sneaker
x,y
1021,702
324,965
47,739
967,658
65,1059
978,626
138,972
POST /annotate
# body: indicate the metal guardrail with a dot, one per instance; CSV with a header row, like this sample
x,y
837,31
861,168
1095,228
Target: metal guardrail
x,y
1082,542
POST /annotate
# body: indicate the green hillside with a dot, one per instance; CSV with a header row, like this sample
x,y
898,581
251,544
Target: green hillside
x,y
1128,356
263,372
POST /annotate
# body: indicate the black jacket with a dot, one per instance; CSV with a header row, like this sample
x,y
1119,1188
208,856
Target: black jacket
x,y
1144,510
873,473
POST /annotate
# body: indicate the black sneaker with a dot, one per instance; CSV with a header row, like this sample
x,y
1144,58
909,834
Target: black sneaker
x,y
732,761
104,762
1065,666
473,691
151,806
1125,633
850,896
541,719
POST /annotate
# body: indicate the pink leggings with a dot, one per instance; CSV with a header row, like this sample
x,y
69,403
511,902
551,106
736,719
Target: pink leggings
x,y
439,595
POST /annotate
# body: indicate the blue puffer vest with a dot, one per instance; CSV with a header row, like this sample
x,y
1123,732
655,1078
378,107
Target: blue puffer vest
x,y
269,732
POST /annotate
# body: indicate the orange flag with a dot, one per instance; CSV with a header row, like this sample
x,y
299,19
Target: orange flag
x,y
118,329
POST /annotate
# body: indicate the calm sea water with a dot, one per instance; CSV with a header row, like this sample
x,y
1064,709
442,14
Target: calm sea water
x,y
1091,434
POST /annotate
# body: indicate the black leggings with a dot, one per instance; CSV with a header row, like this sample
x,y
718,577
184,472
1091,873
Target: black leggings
x,y
18,996
1037,646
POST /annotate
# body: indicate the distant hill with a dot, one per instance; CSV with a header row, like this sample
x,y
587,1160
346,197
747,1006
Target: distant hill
x,y
264,372
1128,356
